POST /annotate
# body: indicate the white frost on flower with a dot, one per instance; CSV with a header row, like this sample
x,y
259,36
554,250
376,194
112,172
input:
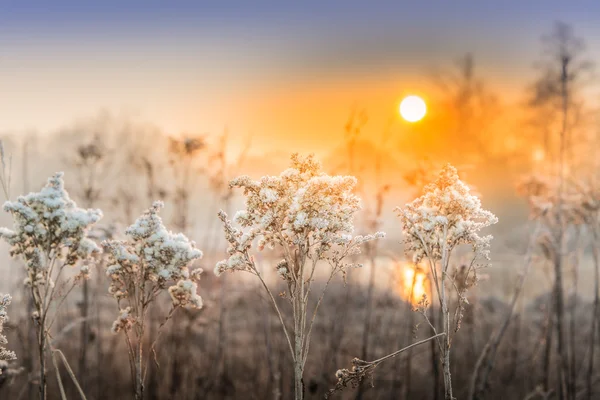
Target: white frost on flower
x,y
184,293
268,195
301,207
446,214
220,267
240,216
49,221
301,220
236,261
152,258
124,321
5,355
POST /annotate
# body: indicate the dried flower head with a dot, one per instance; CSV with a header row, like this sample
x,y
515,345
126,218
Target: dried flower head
x,y
302,207
151,260
184,293
49,222
124,321
352,377
447,214
5,355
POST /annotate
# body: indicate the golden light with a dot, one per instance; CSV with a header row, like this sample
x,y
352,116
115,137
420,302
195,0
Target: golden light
x,y
538,155
413,283
413,108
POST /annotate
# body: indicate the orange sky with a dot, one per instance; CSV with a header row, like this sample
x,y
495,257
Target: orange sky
x,y
305,114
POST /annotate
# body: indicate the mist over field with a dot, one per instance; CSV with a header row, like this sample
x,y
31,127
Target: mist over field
x,y
391,201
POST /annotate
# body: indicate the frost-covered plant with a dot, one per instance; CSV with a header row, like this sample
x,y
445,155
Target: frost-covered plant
x,y
590,207
5,355
445,216
308,217
151,261
50,234
563,208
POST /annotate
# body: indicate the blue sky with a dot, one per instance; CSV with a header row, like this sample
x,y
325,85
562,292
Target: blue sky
x,y
353,30
307,35
58,14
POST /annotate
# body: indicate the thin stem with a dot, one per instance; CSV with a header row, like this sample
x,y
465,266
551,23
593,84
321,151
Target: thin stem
x,y
287,336
152,346
312,321
63,395
492,345
62,300
69,370
394,354
131,354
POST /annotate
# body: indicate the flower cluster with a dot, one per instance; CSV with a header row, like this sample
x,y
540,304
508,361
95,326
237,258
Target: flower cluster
x,y
5,355
361,370
149,261
184,293
301,208
124,321
445,216
48,224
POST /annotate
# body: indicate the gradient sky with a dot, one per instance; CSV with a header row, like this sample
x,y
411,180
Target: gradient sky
x,y
288,73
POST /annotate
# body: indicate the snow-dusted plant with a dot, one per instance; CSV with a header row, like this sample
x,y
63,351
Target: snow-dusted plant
x,y
445,216
152,260
50,234
307,216
5,355
563,209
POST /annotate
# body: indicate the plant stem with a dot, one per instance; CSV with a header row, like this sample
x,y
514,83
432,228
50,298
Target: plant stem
x,y
590,371
42,354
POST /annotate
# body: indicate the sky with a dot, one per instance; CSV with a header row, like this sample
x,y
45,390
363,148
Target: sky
x,y
287,73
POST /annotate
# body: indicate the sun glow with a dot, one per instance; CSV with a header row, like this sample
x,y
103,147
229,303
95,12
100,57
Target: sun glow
x,y
413,108
538,155
412,285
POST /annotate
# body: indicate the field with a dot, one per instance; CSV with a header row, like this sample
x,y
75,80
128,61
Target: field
x,y
452,259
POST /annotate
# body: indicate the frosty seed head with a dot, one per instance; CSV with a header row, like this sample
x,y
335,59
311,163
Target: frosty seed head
x,y
302,205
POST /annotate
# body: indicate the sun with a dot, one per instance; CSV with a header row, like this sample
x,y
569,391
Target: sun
x,y
413,108
413,284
